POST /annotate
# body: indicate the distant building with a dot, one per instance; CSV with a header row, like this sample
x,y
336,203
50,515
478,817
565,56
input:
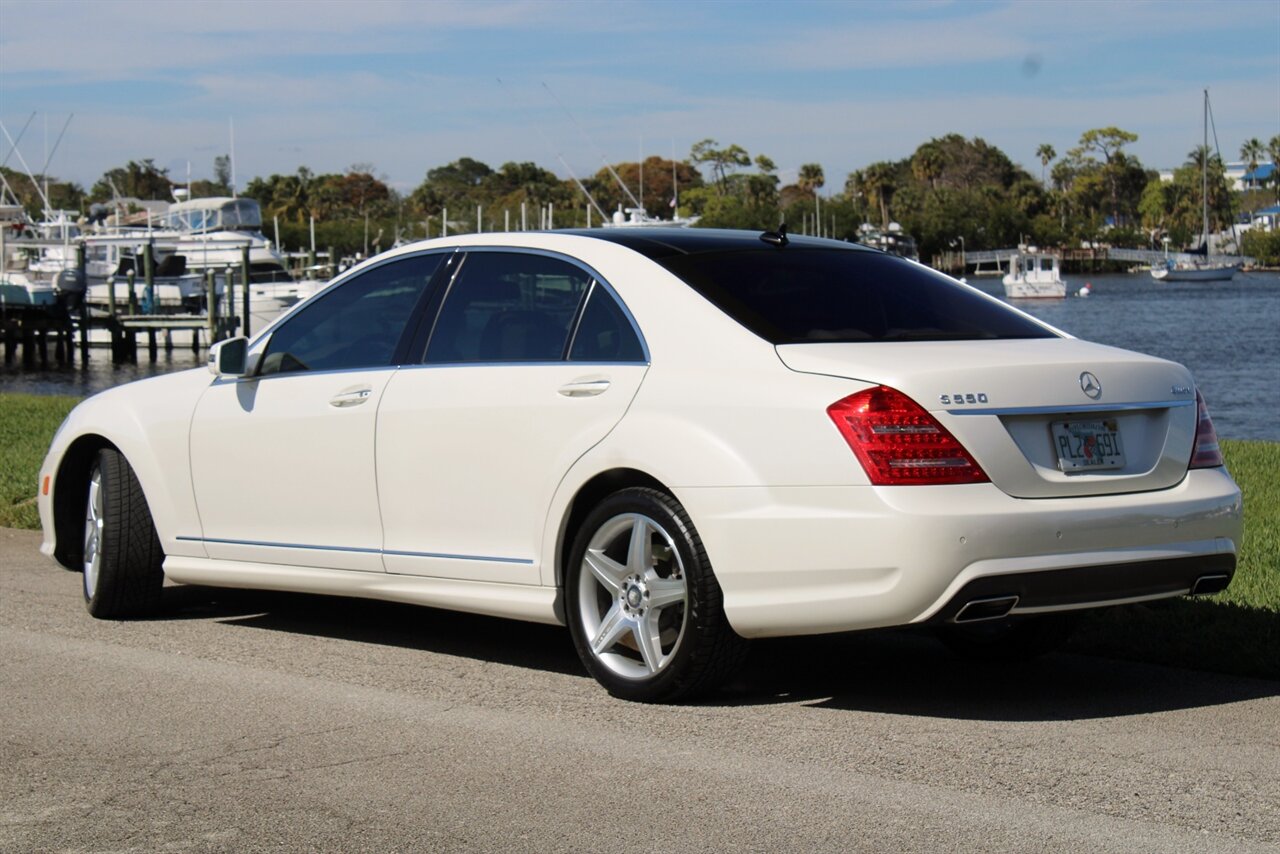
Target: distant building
x,y
1267,219
1258,178
1238,173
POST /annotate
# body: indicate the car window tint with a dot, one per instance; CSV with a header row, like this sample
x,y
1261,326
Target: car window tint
x,y
508,307
356,325
604,333
798,295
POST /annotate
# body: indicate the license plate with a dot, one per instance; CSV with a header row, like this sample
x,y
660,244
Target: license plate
x,y
1088,445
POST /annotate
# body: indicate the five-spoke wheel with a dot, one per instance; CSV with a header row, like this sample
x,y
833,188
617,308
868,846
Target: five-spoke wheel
x,y
644,607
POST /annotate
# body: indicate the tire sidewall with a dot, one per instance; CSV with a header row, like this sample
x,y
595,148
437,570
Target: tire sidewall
x,y
675,677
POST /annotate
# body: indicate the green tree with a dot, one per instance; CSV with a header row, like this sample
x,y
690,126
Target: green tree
x,y
811,179
1110,142
1046,153
879,183
1273,151
139,180
723,161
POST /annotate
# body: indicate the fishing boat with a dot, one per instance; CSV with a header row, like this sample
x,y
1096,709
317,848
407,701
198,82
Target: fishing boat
x,y
1033,275
1197,266
213,232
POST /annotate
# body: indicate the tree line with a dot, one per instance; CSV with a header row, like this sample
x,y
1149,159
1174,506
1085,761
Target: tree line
x,y
950,191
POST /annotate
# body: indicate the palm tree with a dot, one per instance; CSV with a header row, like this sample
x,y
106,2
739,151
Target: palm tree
x,y
811,178
1251,153
1273,151
1046,153
877,183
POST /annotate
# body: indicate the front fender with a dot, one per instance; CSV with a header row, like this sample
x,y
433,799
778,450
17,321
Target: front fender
x,y
149,422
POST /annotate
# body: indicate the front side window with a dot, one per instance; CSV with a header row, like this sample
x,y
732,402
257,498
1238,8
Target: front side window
x,y
358,324
508,307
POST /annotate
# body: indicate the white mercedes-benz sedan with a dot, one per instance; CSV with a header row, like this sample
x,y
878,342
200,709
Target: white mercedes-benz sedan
x,y
670,440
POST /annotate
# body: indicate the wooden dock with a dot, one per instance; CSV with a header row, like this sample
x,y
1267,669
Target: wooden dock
x,y
64,327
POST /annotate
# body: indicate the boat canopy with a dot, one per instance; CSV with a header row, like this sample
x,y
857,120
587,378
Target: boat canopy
x,y
218,213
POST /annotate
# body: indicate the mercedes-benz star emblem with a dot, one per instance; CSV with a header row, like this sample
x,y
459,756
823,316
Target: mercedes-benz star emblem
x,y
1091,385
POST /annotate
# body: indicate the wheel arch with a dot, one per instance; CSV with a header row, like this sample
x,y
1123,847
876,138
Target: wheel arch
x,y
69,492
587,496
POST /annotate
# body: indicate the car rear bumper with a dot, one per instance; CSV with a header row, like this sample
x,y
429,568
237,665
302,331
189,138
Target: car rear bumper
x,y
809,560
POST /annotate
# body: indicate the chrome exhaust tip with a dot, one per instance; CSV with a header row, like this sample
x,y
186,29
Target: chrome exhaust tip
x,y
1214,583
990,608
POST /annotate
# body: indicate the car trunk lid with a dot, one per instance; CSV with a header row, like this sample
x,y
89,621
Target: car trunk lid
x,y
1044,418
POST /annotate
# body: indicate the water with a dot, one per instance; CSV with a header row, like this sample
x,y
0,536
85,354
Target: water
x,y
1227,333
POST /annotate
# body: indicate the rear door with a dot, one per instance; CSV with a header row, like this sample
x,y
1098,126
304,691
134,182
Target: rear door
x,y
531,361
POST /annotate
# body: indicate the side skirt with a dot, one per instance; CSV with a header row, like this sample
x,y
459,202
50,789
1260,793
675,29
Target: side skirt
x,y
513,601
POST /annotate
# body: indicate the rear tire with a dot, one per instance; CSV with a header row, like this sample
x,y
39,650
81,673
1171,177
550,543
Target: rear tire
x,y
1010,639
123,560
643,606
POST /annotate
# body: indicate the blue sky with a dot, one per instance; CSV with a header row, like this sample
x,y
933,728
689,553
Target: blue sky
x,y
407,86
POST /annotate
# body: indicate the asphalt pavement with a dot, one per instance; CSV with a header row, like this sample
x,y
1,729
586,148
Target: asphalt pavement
x,y
265,722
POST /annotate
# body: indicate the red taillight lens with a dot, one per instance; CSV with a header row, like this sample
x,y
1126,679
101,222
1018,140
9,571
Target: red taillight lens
x,y
1205,454
898,443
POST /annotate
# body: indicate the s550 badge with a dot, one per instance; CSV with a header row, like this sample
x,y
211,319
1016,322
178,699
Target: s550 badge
x,y
962,399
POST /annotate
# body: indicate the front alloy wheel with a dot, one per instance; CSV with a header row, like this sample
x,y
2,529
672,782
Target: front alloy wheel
x,y
643,605
123,561
93,523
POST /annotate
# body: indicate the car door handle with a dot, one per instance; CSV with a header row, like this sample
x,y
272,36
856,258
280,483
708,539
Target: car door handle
x,y
350,398
584,388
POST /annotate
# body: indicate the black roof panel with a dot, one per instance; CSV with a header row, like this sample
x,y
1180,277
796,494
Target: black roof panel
x,y
665,242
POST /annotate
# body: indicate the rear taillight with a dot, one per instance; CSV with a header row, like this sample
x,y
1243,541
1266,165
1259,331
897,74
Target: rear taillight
x,y
898,443
1205,454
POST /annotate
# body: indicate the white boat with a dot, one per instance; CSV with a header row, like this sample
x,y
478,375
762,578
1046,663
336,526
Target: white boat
x,y
212,233
1033,275
640,218
893,240
1195,271
1200,269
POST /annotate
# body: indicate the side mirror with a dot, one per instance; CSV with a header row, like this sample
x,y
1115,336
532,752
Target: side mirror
x,y
229,358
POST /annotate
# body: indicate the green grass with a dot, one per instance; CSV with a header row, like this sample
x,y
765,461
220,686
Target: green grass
x,y
1237,631
27,423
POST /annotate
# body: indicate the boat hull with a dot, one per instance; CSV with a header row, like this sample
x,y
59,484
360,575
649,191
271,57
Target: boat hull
x,y
1194,274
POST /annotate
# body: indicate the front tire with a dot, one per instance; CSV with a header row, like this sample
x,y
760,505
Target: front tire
x,y
123,560
644,608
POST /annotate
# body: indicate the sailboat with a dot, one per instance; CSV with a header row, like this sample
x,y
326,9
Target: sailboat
x,y
1201,269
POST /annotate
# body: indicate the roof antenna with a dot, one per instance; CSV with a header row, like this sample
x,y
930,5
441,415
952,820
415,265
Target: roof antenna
x,y
776,238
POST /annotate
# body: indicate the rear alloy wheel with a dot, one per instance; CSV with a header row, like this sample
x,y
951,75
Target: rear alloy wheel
x,y
643,605
123,560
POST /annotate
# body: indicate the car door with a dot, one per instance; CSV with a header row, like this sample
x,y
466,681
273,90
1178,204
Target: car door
x,y
282,461
531,361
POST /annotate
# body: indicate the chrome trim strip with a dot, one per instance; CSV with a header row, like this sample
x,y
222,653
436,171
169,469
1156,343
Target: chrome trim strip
x,y
1086,407
1077,606
522,561
353,549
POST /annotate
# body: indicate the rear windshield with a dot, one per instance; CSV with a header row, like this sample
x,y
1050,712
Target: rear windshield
x,y
798,295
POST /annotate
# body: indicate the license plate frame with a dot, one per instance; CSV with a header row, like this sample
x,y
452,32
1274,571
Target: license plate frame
x,y
1090,444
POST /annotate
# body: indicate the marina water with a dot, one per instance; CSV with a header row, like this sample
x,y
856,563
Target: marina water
x,y
1227,333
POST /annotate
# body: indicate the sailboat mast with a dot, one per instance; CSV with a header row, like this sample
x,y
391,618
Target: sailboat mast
x,y
1204,176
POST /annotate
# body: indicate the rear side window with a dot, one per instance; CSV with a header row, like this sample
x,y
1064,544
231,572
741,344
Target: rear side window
x,y
801,295
508,307
604,333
